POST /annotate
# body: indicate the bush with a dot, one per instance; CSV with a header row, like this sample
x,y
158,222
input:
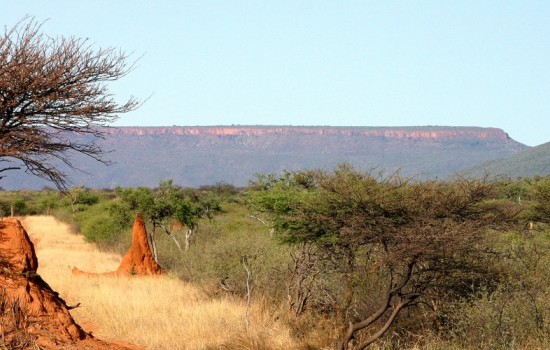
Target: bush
x,y
512,312
215,258
514,315
104,223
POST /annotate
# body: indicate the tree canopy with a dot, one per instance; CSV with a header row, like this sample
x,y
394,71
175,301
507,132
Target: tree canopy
x,y
51,90
170,202
405,242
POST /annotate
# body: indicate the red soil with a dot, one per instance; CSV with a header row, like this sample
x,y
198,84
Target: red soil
x,y
31,313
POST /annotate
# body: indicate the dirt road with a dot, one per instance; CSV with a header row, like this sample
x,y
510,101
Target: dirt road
x,y
158,312
58,250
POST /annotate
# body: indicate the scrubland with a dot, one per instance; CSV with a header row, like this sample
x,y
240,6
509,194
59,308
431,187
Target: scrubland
x,y
156,312
240,285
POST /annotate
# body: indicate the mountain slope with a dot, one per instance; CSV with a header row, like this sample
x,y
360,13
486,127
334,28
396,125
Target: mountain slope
x,y
533,161
194,156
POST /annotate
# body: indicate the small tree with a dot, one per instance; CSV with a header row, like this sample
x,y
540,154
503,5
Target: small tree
x,y
48,202
193,206
168,201
395,244
51,90
79,196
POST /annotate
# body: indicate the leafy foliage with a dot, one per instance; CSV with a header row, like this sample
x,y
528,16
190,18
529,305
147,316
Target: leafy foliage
x,y
415,240
540,194
168,201
457,260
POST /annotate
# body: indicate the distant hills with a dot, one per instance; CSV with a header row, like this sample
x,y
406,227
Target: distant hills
x,y
533,161
195,156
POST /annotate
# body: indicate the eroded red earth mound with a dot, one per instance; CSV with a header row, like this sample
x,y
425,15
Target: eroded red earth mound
x,y
139,260
31,313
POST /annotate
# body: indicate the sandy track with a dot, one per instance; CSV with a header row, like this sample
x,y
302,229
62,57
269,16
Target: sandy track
x,y
158,312
58,250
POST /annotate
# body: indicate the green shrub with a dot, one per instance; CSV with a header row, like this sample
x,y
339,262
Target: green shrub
x,y
512,313
215,258
103,223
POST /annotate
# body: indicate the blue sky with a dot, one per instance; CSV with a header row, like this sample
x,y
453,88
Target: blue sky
x,y
356,63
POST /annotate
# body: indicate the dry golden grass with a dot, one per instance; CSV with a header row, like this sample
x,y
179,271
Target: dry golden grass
x,y
157,312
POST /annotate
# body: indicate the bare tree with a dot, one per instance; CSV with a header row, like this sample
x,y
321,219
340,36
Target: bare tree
x,y
51,90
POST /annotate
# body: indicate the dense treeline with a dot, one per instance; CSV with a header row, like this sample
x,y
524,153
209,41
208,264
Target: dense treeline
x,y
348,259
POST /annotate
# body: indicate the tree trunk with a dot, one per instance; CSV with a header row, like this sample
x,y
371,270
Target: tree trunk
x,y
153,244
342,309
171,236
248,291
188,235
393,292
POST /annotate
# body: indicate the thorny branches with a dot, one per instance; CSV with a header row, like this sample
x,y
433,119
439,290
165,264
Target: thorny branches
x,y
51,90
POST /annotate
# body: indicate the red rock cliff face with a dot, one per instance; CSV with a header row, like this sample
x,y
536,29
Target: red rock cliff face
x,y
433,133
199,155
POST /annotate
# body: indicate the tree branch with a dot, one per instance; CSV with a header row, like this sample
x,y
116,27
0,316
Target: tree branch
x,y
52,91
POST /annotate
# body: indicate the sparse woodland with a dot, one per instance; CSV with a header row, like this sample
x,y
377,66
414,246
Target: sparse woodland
x,y
348,260
343,259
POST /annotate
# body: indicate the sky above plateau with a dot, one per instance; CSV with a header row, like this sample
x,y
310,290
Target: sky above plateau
x,y
342,63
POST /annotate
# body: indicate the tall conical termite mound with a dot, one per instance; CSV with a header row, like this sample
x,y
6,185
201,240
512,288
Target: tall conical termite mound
x,y
139,260
30,311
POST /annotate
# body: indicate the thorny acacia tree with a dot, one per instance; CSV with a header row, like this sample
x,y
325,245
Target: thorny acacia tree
x,y
51,89
395,244
169,202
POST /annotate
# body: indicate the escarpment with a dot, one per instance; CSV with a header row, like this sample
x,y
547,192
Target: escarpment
x,y
204,155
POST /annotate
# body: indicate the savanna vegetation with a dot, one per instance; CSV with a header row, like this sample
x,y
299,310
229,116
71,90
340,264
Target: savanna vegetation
x,y
346,259
343,259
